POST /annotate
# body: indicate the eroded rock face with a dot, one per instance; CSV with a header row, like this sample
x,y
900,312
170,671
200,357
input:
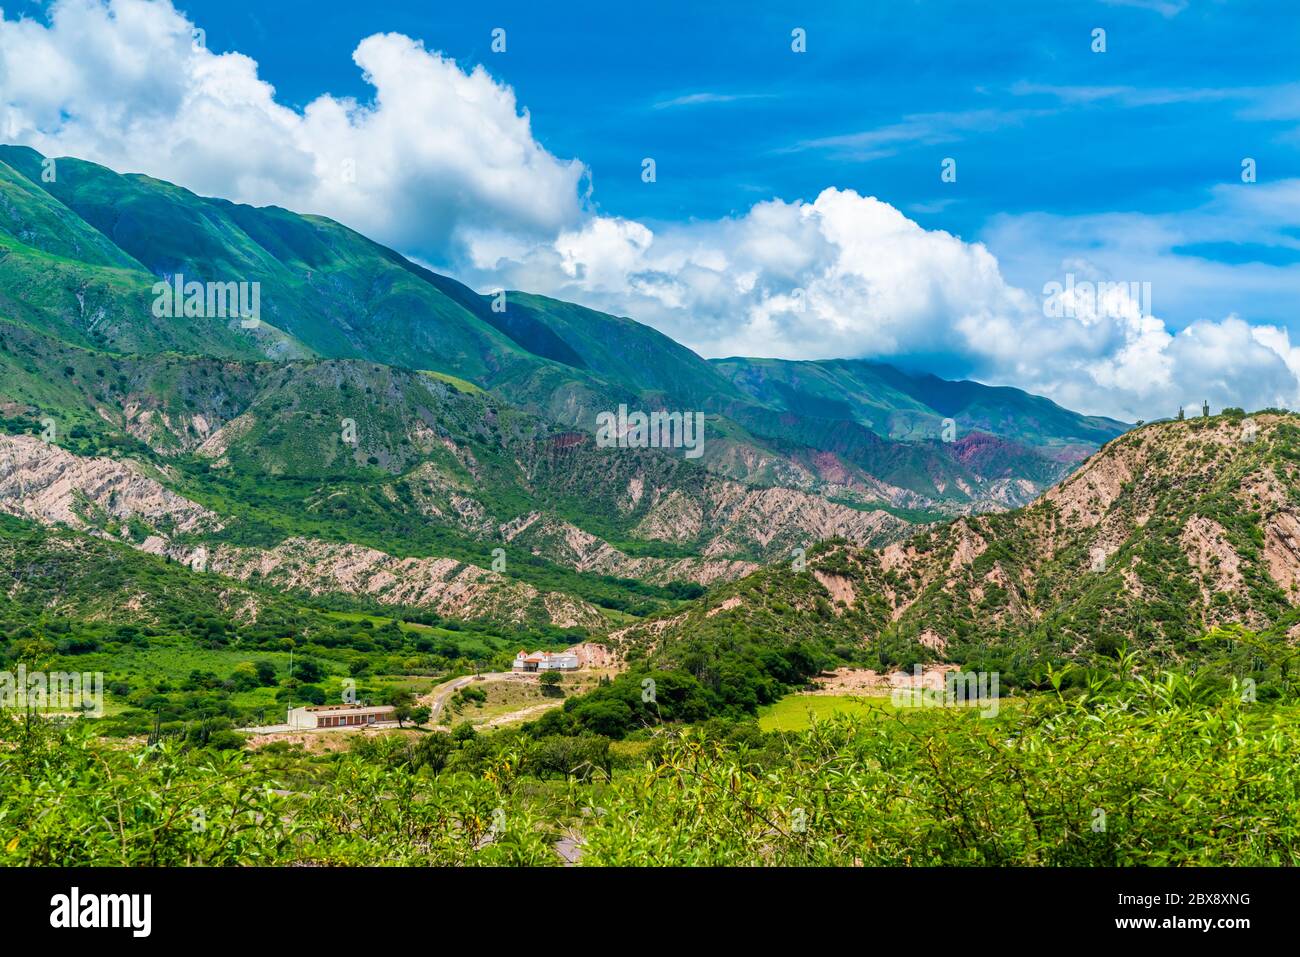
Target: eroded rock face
x,y
737,518
1167,532
1084,498
41,482
733,526
216,443
449,587
593,655
44,483
969,545
566,544
843,594
1282,553
1209,551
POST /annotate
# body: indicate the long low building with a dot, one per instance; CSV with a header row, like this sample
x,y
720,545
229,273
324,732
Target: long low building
x,y
340,715
546,661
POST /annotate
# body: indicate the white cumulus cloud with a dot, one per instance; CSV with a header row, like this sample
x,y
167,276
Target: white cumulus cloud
x,y
441,163
850,276
439,157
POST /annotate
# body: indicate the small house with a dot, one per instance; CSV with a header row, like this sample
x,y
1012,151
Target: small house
x,y
545,661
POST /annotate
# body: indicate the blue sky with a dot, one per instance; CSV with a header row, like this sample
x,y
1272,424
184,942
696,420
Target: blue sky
x,y
759,234
712,92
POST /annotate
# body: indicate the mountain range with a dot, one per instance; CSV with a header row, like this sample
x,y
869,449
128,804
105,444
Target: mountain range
x,y
386,433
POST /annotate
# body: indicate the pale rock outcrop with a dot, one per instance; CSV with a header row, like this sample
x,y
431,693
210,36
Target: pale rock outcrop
x,y
1208,550
42,482
1085,497
448,586
732,518
566,544
841,588
1282,552
725,605
969,546
219,442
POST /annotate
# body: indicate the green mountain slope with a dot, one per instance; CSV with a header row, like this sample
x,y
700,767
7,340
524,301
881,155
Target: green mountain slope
x,y
1180,540
354,453
79,255
896,404
331,288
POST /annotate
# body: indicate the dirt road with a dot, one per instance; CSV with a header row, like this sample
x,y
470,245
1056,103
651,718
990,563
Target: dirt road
x,y
439,696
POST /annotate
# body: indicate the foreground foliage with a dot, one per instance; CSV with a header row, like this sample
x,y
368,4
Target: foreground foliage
x,y
1149,776
1140,772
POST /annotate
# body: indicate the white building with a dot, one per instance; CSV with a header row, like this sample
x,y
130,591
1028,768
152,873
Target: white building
x,y
340,715
545,661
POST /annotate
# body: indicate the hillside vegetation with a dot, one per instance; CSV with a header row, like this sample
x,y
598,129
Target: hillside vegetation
x,y
81,255
1136,772
1176,541
390,485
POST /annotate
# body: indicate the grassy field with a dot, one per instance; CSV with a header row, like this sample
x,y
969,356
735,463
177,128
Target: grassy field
x,y
380,620
170,659
797,711
503,697
509,696
468,644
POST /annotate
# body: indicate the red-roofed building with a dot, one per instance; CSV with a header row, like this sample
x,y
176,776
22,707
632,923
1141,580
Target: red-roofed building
x,y
545,661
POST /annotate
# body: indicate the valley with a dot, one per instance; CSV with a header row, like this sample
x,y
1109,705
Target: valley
x,y
378,494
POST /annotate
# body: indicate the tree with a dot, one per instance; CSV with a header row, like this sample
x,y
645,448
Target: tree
x,y
432,752
308,671
397,697
611,718
265,672
572,756
550,682
245,676
557,754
